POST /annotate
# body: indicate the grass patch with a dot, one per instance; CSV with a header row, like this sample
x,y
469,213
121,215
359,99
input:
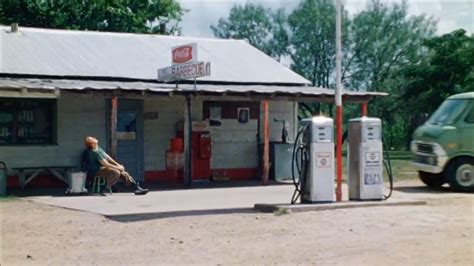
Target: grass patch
x,y
401,169
281,211
400,155
394,155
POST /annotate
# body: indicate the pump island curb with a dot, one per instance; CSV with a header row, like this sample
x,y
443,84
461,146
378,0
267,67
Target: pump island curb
x,y
286,208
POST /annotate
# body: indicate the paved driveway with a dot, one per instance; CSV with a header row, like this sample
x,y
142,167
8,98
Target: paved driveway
x,y
209,200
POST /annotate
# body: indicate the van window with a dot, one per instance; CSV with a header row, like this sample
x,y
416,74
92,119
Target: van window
x,y
470,116
448,112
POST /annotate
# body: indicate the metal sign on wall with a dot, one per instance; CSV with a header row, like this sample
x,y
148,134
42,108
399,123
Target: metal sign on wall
x,y
184,65
184,54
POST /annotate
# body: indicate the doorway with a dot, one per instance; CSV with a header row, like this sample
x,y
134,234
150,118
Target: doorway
x,y
130,136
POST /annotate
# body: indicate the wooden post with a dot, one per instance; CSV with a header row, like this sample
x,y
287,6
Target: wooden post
x,y
113,126
364,109
187,169
266,145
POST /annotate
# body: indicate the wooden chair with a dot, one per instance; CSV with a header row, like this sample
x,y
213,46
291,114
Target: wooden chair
x,y
99,182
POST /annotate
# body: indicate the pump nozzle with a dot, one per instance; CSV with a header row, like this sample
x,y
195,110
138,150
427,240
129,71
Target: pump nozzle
x,y
284,130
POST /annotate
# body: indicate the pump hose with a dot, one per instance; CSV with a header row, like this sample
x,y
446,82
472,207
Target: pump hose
x,y
295,161
388,168
297,183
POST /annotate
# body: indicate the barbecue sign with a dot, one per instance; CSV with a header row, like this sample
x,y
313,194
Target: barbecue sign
x,y
184,71
185,65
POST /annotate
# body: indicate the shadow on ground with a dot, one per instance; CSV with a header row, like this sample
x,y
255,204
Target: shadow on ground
x,y
161,215
121,188
426,190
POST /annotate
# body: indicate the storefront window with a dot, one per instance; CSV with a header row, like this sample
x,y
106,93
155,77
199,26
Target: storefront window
x,y
27,121
126,125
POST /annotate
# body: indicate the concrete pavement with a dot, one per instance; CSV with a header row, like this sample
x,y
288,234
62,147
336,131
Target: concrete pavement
x,y
173,201
165,203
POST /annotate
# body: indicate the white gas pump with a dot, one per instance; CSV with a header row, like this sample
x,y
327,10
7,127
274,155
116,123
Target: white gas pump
x,y
313,155
365,157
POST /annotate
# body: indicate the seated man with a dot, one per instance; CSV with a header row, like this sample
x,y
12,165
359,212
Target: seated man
x,y
101,164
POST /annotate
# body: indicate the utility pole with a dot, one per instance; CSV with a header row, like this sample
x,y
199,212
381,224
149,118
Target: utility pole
x,y
338,100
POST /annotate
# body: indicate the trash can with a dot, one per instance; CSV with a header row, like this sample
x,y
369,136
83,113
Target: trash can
x,y
282,160
77,183
3,179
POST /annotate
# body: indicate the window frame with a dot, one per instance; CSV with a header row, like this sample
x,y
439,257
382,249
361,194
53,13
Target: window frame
x,y
469,113
53,105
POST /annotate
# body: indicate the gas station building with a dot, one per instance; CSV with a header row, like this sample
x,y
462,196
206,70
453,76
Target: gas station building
x,y
59,86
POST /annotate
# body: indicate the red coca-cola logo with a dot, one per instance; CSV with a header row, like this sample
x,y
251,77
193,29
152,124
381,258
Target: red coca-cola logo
x,y
182,54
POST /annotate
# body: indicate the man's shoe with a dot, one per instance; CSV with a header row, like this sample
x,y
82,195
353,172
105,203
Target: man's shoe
x,y
141,191
105,191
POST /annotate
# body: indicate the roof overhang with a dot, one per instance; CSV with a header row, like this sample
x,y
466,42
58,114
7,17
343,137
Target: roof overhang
x,y
29,93
31,87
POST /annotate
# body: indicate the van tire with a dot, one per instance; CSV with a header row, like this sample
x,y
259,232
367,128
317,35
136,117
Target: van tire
x,y
460,174
432,180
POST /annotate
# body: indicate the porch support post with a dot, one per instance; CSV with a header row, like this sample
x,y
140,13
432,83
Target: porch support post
x,y
187,169
113,126
266,145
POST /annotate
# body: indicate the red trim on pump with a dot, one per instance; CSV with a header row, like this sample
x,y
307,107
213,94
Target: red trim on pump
x,y
364,109
339,153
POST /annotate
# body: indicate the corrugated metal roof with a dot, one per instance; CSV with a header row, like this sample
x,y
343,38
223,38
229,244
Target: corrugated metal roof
x,y
68,84
34,51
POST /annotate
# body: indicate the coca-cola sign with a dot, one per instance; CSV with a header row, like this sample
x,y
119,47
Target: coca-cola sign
x,y
184,54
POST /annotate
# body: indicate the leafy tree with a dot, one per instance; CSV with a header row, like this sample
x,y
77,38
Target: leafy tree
x,y
153,16
279,41
447,69
383,41
261,27
312,26
313,45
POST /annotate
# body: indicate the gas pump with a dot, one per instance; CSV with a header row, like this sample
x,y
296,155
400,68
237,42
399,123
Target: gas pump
x,y
365,157
313,160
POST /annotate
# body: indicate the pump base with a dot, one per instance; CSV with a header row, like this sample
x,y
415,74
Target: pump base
x,y
315,202
356,199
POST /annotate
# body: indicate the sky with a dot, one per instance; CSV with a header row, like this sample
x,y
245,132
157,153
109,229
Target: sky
x,y
450,15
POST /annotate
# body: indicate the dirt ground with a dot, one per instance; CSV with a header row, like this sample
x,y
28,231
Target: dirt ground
x,y
441,233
